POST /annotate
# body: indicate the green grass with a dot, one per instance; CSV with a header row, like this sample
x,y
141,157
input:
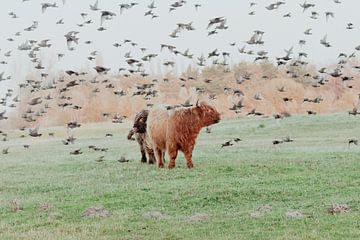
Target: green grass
x,y
228,184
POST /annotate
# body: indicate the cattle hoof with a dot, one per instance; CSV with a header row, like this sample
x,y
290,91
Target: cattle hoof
x,y
171,166
152,160
190,165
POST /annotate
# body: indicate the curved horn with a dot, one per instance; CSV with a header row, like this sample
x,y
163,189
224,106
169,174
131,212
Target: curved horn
x,y
197,103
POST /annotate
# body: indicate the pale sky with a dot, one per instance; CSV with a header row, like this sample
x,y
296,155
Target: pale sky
x,y
280,33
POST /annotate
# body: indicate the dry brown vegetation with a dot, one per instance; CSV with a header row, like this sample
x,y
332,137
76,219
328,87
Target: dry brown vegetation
x,y
216,84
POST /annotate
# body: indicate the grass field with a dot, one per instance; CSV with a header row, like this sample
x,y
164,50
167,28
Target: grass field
x,y
245,191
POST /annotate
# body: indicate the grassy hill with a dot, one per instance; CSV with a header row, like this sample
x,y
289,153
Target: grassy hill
x,y
251,190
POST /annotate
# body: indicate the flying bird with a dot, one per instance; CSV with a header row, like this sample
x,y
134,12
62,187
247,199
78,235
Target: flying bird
x,y
106,15
45,6
71,37
306,5
94,7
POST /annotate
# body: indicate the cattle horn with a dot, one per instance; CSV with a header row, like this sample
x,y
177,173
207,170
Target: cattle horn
x,y
197,103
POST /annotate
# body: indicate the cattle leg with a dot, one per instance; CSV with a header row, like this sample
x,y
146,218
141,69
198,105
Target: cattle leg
x,y
173,154
189,160
151,155
188,157
143,154
141,141
159,157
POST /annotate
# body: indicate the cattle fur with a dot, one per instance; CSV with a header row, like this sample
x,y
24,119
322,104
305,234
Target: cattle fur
x,y
139,130
171,131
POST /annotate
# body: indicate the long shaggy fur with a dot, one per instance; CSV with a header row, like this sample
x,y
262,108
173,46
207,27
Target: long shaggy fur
x,y
178,130
139,129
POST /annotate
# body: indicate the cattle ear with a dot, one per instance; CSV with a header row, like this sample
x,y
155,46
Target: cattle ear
x,y
197,103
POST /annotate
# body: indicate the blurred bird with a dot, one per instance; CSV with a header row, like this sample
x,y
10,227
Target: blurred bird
x,y
34,132
76,152
5,151
106,15
306,5
123,159
101,70
100,159
227,144
276,142
329,14
94,7
352,141
45,6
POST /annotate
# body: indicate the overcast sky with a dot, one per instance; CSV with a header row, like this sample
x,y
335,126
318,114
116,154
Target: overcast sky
x,y
280,33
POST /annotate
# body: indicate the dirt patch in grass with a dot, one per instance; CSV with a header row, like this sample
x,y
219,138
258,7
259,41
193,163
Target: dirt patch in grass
x,y
338,208
198,217
154,214
15,206
45,207
96,212
261,211
294,214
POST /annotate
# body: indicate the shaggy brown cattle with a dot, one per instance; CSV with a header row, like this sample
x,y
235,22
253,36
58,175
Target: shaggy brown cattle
x,y
177,130
139,129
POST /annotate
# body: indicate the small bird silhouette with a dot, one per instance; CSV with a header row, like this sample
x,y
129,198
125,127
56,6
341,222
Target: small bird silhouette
x,y
352,141
34,132
100,159
123,159
76,152
276,142
227,144
5,151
